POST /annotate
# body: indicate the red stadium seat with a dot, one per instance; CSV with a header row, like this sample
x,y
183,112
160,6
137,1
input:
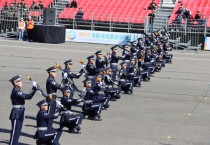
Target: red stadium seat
x,y
119,9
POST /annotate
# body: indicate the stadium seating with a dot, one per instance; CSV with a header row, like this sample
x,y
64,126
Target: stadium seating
x,y
132,11
194,5
46,3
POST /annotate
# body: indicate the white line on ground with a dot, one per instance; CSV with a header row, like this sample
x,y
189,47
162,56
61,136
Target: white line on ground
x,y
91,52
67,44
188,53
43,48
196,59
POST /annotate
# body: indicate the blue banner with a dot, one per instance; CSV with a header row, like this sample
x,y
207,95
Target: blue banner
x,y
100,36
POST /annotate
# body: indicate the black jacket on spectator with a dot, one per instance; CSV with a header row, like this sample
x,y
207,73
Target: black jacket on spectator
x,y
197,16
151,18
73,4
180,11
79,15
152,6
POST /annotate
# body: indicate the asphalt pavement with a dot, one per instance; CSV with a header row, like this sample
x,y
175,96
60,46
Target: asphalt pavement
x,y
173,108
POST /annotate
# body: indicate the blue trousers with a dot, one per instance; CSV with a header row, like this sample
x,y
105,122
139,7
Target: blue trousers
x,y
21,34
16,130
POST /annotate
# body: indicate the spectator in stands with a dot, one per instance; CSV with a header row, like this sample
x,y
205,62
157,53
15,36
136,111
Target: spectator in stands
x,y
24,7
152,5
22,3
180,11
32,5
41,6
151,21
79,15
12,8
186,14
199,19
15,4
68,5
74,4
190,21
198,16
178,19
19,5
6,7
203,20
30,28
21,27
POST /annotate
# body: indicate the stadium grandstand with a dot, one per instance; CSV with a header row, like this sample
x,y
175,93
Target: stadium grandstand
x,y
133,16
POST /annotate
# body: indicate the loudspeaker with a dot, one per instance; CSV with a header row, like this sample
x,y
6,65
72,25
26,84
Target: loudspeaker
x,y
49,16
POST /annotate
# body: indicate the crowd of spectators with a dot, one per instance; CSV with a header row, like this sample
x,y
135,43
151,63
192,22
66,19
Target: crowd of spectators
x,y
186,15
152,5
13,8
37,7
73,4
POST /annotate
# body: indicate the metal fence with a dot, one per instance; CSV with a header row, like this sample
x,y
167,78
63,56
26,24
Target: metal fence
x,y
189,34
9,20
97,21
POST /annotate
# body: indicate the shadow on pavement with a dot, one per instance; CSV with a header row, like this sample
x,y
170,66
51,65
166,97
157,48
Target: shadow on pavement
x,y
2,130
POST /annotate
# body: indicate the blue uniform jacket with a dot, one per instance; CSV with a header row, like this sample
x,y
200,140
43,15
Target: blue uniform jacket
x,y
52,86
18,98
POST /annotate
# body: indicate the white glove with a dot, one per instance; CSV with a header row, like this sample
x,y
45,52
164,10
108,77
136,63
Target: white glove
x,y
65,76
35,85
56,114
83,66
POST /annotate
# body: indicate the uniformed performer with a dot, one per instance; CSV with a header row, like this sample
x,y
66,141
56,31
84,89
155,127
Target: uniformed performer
x,y
45,134
91,68
112,87
167,56
68,119
99,89
140,44
114,62
101,62
52,86
134,49
126,54
158,60
133,73
125,84
67,100
91,107
142,69
149,62
18,101
68,76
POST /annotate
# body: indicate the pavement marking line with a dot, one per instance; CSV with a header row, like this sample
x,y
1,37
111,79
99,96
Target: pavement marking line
x,y
188,53
77,44
43,48
168,137
203,99
196,59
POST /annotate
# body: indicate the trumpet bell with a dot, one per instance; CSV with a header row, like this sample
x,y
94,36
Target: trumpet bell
x,y
81,61
29,77
57,66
